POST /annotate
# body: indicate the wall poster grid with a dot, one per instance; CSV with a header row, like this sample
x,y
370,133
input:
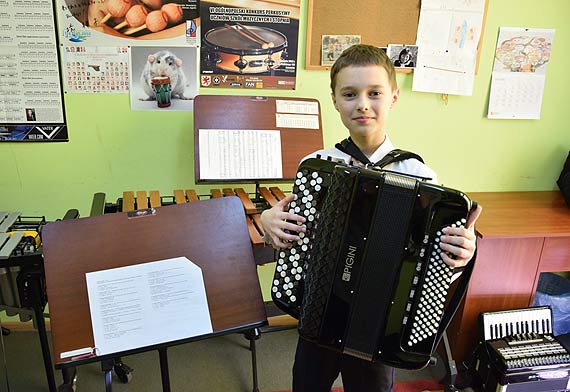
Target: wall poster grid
x,y
31,94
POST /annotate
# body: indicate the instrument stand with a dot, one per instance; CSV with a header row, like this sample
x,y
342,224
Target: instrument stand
x,y
164,369
69,380
252,335
107,368
451,376
30,284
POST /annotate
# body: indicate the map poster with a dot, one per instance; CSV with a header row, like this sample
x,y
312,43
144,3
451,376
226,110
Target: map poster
x,y
253,45
31,90
519,73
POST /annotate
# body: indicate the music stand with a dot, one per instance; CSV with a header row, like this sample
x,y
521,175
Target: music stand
x,y
211,233
237,113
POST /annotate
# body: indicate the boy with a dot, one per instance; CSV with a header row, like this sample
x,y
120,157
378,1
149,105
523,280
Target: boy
x,y
364,89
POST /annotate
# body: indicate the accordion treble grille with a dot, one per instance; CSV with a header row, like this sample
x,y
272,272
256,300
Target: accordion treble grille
x,y
331,226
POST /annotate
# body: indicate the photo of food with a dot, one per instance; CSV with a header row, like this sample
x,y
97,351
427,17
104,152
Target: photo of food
x,y
127,19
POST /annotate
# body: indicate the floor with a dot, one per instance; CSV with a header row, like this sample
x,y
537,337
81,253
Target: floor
x,y
218,364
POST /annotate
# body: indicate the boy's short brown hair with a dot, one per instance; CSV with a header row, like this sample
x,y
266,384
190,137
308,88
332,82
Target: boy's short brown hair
x,y
361,55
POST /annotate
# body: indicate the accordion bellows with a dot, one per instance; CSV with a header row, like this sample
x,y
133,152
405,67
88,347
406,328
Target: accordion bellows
x,y
367,278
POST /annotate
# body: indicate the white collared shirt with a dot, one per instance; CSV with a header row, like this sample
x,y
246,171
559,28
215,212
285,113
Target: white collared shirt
x,y
408,166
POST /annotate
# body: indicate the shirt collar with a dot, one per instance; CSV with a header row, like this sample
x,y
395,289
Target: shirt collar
x,y
382,150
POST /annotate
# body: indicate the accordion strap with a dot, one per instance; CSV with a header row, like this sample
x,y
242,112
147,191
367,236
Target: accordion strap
x,y
349,147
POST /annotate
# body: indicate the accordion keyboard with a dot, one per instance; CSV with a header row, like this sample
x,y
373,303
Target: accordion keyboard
x,y
431,302
286,290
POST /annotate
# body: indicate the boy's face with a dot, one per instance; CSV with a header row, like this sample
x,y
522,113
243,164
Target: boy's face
x,y
363,96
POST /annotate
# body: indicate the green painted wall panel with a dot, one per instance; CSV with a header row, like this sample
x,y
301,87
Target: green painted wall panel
x,y
112,149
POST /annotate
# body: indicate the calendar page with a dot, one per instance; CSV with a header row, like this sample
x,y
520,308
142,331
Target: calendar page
x,y
519,73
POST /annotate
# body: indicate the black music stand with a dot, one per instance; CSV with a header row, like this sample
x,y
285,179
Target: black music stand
x,y
210,233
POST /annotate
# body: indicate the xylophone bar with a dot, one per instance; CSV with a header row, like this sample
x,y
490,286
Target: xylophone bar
x,y
139,200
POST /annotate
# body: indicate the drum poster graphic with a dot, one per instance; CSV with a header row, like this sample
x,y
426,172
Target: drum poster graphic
x,y
126,22
251,46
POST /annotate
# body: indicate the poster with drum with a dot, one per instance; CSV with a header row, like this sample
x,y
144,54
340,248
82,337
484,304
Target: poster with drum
x,y
250,45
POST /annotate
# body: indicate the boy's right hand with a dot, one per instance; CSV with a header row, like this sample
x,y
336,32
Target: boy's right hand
x,y
277,219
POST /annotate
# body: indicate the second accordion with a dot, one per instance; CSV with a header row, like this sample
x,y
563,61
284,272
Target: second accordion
x,y
366,278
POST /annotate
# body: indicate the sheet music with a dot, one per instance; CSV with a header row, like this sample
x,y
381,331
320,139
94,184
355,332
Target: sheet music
x,y
147,304
240,154
295,106
303,121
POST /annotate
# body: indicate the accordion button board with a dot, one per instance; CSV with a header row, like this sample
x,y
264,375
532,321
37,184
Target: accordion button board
x,y
521,353
287,287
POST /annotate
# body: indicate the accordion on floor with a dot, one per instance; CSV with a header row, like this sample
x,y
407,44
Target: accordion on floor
x,y
520,353
367,278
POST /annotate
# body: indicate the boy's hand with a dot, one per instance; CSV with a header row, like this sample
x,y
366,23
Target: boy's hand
x,y
275,221
460,241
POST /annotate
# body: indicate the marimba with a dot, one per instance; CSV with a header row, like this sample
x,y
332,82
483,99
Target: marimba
x,y
265,197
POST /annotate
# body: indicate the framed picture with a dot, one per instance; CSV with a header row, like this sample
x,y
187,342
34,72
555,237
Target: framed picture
x,y
403,56
334,45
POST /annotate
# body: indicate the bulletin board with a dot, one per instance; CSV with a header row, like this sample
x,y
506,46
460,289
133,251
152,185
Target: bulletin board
x,y
378,22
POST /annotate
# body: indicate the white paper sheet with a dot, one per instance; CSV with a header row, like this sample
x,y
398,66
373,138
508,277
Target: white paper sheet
x,y
147,304
240,154
304,121
296,106
519,73
448,35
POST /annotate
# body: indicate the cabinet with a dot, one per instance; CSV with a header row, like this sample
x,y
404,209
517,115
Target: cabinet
x,y
521,234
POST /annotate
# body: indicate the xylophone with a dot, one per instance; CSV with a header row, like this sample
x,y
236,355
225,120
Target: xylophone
x,y
264,197
20,240
22,279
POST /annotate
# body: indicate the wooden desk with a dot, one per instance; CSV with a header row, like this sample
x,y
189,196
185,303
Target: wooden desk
x,y
521,235
211,233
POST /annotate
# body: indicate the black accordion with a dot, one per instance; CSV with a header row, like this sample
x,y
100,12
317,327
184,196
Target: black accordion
x,y
367,279
518,352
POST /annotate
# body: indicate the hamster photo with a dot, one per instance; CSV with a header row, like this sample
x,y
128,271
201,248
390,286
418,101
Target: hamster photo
x,y
160,64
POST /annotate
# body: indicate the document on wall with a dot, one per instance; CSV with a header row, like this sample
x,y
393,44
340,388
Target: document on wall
x,y
147,304
447,39
30,91
519,73
240,154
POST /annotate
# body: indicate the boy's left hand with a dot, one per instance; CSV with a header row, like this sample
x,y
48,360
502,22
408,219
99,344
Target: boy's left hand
x,y
460,241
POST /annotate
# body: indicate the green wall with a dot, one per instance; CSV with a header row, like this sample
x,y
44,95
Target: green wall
x,y
112,149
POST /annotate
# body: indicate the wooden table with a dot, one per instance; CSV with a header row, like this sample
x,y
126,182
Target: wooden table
x,y
211,233
521,235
